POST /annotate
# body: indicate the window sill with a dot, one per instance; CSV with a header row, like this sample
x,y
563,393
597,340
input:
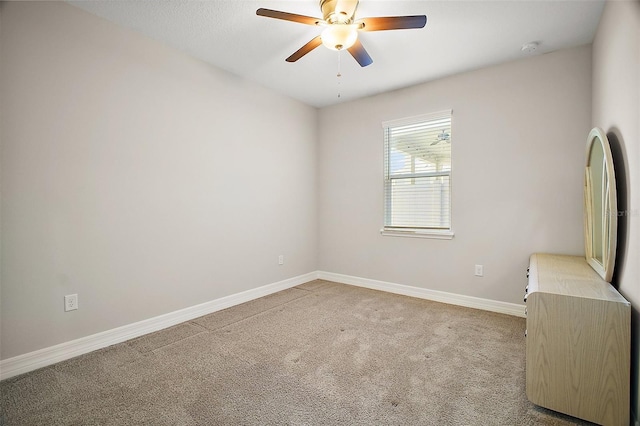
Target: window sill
x,y
418,233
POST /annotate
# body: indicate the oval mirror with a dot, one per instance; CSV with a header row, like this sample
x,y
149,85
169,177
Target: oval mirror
x,y
600,205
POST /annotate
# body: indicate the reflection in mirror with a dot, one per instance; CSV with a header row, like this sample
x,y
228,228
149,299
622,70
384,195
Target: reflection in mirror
x,y
600,205
596,175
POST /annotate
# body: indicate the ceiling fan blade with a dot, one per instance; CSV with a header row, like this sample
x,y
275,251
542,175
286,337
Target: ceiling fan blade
x,y
302,19
360,54
315,42
392,23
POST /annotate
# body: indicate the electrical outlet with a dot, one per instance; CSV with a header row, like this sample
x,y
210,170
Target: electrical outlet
x,y
70,302
479,271
281,259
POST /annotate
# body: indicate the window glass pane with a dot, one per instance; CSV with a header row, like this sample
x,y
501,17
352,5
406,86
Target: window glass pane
x,y
420,149
420,202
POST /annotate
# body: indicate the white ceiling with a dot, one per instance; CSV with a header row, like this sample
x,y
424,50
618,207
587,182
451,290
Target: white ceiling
x,y
459,36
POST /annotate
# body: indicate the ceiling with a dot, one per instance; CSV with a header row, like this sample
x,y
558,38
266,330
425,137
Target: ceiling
x,y
459,36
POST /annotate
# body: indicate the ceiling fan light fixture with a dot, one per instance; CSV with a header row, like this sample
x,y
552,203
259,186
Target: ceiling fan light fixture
x,y
341,27
339,36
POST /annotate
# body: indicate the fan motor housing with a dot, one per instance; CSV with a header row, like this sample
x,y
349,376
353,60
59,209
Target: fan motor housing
x,y
333,16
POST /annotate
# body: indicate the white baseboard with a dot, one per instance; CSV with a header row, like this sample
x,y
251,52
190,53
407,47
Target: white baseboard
x,y
41,358
423,293
47,356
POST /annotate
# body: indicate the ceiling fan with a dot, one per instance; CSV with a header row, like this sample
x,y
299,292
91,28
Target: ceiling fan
x,y
341,27
442,137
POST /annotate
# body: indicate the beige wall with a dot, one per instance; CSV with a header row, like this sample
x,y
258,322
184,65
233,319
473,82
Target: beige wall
x,y
519,134
138,177
616,109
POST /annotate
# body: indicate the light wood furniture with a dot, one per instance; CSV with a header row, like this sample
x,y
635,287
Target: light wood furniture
x,y
578,341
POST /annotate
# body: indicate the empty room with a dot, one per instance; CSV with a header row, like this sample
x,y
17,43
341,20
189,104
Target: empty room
x,y
319,212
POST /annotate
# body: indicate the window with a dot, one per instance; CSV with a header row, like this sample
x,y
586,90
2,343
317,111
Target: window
x,y
417,176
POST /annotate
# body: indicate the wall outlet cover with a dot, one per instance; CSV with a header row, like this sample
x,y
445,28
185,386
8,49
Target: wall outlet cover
x,y
70,302
479,271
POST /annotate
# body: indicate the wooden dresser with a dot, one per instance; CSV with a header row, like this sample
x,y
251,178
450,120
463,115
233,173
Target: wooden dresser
x,y
578,341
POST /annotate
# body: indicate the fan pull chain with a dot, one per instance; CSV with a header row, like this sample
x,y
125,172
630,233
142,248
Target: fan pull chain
x,y
339,75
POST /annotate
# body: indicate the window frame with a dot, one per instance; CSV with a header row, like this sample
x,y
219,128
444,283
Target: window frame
x,y
415,232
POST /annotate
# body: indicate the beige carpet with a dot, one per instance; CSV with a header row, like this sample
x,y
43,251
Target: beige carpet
x,y
318,354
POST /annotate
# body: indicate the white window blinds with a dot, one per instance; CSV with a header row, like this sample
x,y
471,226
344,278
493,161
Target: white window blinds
x,y
417,173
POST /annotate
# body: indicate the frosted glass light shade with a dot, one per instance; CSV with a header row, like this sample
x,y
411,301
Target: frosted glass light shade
x,y
339,37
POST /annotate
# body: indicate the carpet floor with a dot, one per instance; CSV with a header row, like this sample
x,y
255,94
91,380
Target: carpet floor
x,y
321,353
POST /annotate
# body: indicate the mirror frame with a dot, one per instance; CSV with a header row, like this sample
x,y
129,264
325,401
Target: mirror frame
x,y
609,213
